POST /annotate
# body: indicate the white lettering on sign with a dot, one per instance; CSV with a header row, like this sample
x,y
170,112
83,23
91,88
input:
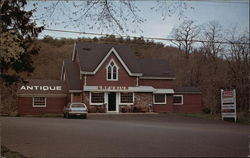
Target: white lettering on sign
x,y
42,88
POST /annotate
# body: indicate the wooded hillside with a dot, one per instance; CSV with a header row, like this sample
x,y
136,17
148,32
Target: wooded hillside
x,y
208,73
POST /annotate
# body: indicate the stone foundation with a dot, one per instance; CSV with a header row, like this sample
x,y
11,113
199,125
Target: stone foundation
x,y
143,102
97,108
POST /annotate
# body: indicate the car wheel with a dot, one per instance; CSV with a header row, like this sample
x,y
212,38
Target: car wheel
x,y
67,115
84,116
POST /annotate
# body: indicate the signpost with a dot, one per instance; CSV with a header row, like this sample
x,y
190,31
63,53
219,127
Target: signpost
x,y
228,104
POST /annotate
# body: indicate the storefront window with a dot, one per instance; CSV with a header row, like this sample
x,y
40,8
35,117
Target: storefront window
x,y
160,99
178,99
97,97
127,98
39,101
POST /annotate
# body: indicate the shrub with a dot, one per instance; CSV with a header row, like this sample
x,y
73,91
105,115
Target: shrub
x,y
92,109
206,110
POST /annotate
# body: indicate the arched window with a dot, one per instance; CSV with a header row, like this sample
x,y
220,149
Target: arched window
x,y
112,71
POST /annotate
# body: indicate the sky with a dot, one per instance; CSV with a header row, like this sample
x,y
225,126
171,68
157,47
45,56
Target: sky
x,y
227,13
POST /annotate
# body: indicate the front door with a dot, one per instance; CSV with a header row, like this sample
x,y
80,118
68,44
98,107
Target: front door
x,y
112,101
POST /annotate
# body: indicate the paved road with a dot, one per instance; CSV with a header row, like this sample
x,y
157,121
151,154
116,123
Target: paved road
x,y
124,135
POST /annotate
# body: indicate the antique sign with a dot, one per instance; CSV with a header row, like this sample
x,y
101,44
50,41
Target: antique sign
x,y
42,88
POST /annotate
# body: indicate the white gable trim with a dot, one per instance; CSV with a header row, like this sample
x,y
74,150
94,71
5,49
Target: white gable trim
x,y
74,54
62,70
112,60
120,60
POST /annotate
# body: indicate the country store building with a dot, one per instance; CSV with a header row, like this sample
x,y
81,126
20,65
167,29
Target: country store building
x,y
109,78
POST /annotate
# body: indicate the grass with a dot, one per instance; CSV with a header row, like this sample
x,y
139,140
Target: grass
x,y
45,115
5,152
195,115
241,119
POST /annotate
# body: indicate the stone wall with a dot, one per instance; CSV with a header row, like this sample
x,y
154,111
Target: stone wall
x,y
142,101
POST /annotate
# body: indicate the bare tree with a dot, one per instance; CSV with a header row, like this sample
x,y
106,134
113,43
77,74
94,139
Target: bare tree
x,y
109,15
167,8
184,34
212,34
239,63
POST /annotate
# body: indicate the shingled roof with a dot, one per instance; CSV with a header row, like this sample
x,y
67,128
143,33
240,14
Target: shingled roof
x,y
91,54
155,68
192,90
73,75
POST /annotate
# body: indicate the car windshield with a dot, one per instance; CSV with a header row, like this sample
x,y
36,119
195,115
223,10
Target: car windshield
x,y
77,106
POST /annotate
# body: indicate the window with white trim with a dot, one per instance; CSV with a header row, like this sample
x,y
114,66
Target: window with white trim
x,y
127,98
160,99
112,71
39,101
178,99
97,98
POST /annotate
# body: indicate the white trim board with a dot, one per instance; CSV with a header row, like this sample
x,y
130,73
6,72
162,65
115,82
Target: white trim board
x,y
62,70
129,89
164,91
74,54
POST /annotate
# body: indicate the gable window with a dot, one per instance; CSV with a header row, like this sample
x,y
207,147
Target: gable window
x,y
160,99
112,71
97,98
126,98
39,101
178,99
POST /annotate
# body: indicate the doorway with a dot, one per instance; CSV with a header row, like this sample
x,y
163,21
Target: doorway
x,y
112,101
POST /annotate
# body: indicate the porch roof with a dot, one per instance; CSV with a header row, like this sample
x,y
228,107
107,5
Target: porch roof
x,y
126,89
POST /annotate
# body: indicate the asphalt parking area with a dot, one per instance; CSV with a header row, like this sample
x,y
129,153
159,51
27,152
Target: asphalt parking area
x,y
124,135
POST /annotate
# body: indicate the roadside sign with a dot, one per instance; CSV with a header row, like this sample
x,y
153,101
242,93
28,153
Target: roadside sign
x,y
228,104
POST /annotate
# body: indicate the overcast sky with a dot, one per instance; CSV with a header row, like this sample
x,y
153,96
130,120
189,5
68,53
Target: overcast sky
x,y
228,13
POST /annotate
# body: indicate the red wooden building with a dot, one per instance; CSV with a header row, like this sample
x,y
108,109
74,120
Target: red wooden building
x,y
110,78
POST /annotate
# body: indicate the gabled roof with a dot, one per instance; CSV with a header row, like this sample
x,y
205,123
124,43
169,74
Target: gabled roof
x,y
73,75
92,55
155,68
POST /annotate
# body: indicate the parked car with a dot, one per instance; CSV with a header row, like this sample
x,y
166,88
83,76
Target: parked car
x,y
75,109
